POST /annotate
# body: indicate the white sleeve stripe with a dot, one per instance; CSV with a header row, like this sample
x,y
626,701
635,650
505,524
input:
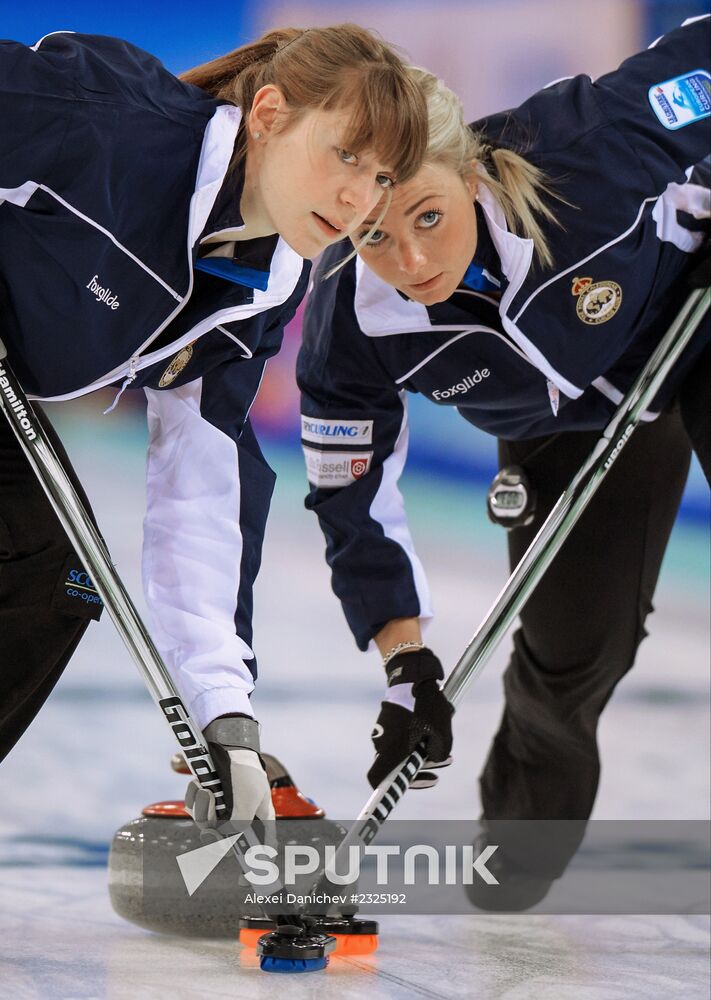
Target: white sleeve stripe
x,y
193,546
388,510
60,31
689,20
693,199
579,263
247,352
558,79
110,236
465,333
259,386
607,389
539,360
19,195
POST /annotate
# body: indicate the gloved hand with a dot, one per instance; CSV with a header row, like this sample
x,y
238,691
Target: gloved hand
x,y
233,742
398,729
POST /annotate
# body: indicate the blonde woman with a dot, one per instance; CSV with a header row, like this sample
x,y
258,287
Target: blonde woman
x,y
152,234
523,277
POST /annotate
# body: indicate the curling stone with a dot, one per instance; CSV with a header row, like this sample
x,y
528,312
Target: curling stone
x,y
146,887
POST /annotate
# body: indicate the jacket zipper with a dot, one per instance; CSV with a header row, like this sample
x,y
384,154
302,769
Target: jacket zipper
x,y
131,377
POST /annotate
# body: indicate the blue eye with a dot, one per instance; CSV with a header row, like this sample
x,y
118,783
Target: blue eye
x,y
347,157
374,240
384,181
430,219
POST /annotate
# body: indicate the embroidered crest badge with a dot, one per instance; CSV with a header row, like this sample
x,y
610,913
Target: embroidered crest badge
x,y
597,301
176,366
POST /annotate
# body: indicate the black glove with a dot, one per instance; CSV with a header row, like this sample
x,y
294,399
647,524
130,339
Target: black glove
x,y
398,730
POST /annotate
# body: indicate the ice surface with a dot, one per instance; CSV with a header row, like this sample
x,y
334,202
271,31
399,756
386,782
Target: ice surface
x,y
99,752
63,941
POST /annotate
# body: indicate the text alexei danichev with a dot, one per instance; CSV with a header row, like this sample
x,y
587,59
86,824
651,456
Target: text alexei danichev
x,y
304,899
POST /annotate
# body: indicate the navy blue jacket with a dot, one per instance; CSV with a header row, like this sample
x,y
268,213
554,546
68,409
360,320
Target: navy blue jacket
x,y
113,174
559,347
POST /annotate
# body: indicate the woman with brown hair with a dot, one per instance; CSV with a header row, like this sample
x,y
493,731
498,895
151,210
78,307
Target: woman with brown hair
x,y
152,234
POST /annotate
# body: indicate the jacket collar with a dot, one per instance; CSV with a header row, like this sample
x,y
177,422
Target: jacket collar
x,y
225,214
484,273
214,202
515,253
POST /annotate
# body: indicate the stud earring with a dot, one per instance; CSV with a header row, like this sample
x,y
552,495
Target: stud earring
x,y
257,135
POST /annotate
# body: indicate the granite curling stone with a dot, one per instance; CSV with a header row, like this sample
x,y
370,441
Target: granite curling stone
x,y
145,883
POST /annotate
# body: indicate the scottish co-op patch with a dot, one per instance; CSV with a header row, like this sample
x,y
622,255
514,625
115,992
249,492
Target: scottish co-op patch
x,y
75,593
683,99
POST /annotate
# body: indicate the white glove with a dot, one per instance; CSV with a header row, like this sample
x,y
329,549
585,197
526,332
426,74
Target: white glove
x,y
250,793
233,743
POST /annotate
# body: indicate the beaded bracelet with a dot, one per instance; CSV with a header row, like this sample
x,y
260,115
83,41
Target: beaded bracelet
x,y
401,647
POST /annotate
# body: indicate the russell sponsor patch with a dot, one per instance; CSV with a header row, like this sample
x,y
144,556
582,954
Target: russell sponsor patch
x,y
330,431
682,100
333,469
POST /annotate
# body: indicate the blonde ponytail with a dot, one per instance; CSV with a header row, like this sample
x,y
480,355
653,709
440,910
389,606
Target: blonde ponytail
x,y
518,187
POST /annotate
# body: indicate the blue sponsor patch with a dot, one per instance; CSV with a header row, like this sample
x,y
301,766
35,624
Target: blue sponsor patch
x,y
683,99
75,593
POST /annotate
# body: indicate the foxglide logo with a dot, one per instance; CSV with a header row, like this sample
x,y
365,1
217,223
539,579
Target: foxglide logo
x,y
470,382
16,405
196,754
102,294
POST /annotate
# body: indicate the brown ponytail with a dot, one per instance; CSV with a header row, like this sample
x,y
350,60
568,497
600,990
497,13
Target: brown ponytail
x,y
340,67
